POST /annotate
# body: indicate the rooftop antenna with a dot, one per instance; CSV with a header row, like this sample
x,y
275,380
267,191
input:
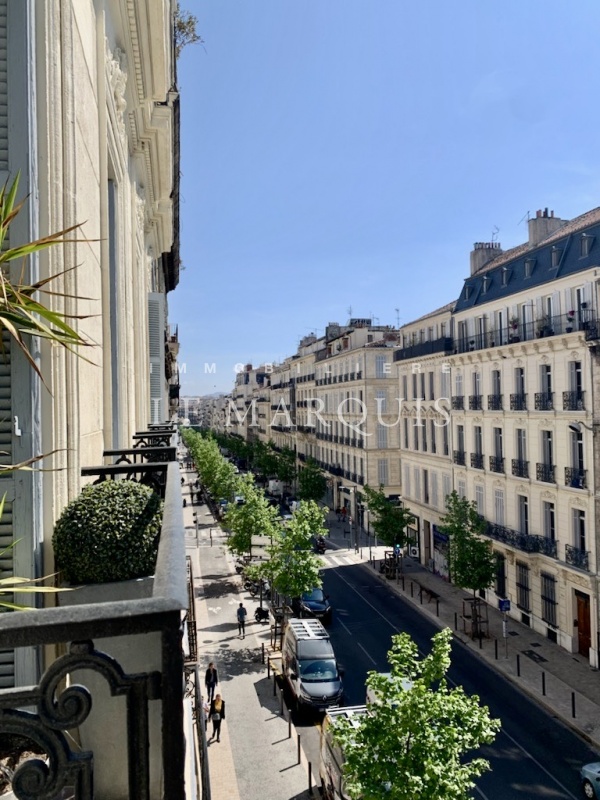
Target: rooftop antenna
x,y
349,311
397,310
495,232
526,216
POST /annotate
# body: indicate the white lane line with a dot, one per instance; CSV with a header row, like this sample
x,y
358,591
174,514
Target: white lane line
x,y
345,627
370,657
513,740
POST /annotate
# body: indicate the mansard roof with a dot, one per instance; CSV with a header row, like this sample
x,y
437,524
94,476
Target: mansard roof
x,y
524,267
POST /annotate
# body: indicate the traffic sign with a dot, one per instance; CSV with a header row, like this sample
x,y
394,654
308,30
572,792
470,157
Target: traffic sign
x,y
504,605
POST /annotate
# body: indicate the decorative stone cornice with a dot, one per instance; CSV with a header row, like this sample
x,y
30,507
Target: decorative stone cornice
x,y
116,72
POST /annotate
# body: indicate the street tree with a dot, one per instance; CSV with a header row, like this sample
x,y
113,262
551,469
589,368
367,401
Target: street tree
x,y
293,567
472,562
312,484
390,520
414,743
253,517
286,465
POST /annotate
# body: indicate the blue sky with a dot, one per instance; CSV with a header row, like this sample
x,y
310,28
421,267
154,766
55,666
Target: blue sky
x,y
346,154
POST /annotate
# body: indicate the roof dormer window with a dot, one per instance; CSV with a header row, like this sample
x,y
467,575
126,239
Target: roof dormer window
x,y
585,244
505,276
486,284
529,267
468,290
556,256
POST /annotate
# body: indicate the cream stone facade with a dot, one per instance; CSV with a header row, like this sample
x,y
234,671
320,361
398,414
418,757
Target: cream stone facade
x,y
90,120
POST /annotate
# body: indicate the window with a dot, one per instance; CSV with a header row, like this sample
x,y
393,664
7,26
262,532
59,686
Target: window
x,y
405,423
476,383
547,448
459,384
499,506
426,487
549,520
446,486
415,436
521,444
460,438
405,387
434,490
523,511
381,364
579,529
417,474
585,244
461,488
479,498
549,598
432,434
382,471
446,445
478,440
500,586
556,256
382,441
519,380
498,442
546,378
431,386
496,382
445,384
422,386
424,437
381,401
414,386
523,592
577,449
505,276
529,267
486,284
575,379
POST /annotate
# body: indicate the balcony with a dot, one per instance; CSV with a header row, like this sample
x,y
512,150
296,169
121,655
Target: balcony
x,y
527,543
577,558
520,468
443,345
458,403
545,472
573,401
477,460
494,402
576,478
80,631
475,402
544,401
458,457
518,402
496,464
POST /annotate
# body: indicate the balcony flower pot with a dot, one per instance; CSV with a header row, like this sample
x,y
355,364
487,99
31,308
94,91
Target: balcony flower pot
x,y
105,544
569,328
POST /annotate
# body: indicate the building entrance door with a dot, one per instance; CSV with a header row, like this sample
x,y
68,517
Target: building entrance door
x,y
584,631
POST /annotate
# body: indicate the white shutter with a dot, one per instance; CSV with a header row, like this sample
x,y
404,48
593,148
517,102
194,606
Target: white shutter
x,y
156,346
434,490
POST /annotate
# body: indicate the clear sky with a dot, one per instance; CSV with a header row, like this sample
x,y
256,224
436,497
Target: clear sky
x,y
346,154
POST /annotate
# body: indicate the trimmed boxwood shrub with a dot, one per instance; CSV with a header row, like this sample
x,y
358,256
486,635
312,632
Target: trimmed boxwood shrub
x,y
108,533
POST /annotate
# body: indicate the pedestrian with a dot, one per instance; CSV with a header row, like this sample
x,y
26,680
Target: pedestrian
x,y
338,512
210,681
217,715
343,513
241,618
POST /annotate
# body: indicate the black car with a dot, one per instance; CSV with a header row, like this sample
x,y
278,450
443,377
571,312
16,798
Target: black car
x,y
313,604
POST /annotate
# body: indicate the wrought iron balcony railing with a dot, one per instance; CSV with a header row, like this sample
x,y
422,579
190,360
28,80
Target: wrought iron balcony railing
x,y
494,402
459,457
458,402
477,460
577,558
545,472
520,468
573,401
576,478
518,402
496,463
52,710
544,401
475,402
526,542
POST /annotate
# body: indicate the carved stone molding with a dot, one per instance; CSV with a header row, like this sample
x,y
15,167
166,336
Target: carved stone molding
x,y
140,208
116,71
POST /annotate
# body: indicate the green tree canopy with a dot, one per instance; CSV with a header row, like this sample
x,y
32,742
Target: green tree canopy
x,y
293,567
413,744
253,517
389,520
312,484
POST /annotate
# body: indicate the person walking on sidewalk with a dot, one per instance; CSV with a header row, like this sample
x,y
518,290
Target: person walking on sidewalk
x,y
210,681
241,618
217,715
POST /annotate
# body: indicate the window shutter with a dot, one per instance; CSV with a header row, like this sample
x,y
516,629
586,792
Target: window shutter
x,y
156,346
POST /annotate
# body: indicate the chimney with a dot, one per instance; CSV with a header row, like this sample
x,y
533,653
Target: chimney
x,y
543,225
482,253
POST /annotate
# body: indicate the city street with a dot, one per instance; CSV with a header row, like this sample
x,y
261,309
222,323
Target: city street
x,y
534,755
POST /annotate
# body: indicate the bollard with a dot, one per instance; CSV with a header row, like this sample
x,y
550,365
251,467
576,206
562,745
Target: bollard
x,y
281,703
421,594
573,704
403,582
543,684
310,787
262,655
299,750
496,649
455,620
268,667
411,588
518,666
289,724
274,685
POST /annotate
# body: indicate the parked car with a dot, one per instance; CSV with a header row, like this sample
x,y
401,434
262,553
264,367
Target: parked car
x,y
590,780
313,604
310,666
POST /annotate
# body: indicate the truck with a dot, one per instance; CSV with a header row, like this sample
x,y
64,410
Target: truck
x,y
331,756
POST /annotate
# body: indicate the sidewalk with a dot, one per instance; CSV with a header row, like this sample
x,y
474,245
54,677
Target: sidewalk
x,y
255,759
534,663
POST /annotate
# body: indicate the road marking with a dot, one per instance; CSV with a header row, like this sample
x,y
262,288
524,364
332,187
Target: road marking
x,y
371,659
345,627
514,741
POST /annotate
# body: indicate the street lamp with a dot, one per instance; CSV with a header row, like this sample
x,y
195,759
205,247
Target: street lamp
x,y
577,426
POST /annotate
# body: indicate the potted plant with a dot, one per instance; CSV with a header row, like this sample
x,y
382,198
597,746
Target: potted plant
x,y
106,539
544,326
570,319
514,329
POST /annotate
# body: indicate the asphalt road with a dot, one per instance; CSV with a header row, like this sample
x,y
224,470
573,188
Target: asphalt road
x,y
533,756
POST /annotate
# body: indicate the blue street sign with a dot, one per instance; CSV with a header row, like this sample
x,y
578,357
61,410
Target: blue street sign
x,y
504,605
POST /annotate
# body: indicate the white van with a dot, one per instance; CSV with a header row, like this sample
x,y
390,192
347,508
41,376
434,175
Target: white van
x,y
372,698
331,757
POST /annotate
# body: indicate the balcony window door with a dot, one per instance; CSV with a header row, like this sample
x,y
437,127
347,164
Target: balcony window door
x,y
498,443
546,379
547,448
499,506
460,438
523,509
579,539
477,384
521,444
520,380
577,450
477,440
496,382
549,520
